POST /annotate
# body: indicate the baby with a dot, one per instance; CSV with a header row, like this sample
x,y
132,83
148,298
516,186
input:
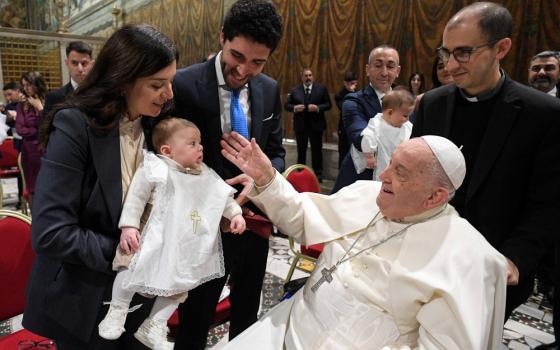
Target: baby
x,y
384,133
170,240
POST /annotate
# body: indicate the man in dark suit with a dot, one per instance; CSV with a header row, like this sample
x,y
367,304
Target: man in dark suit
x,y
213,95
358,108
509,137
350,85
544,73
79,60
309,102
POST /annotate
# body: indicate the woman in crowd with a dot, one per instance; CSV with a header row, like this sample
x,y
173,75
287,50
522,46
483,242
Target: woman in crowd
x,y
416,84
28,116
95,144
440,75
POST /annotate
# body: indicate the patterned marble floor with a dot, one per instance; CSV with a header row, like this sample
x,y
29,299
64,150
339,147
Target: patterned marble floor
x,y
529,326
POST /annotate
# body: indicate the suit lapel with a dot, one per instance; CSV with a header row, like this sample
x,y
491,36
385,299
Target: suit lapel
x,y
502,120
257,108
107,162
207,88
68,89
373,101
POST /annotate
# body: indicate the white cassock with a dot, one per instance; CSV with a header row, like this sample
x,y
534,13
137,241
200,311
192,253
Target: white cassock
x,y
438,285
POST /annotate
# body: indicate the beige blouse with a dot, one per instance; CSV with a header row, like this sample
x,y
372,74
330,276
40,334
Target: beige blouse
x,y
132,143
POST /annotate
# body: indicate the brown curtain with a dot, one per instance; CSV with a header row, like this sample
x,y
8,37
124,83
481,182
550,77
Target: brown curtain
x,y
333,36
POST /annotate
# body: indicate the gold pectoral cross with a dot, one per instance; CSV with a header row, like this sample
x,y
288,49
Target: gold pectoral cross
x,y
195,218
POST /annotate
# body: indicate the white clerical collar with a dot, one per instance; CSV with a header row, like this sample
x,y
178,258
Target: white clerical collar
x,y
422,216
553,91
74,84
486,95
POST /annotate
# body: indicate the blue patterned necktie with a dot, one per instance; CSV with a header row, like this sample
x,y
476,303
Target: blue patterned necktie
x,y
238,120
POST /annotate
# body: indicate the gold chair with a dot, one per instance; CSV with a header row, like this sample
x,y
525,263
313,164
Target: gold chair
x,y
303,179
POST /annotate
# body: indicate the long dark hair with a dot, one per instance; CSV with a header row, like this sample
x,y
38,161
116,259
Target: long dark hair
x,y
422,87
132,52
36,80
435,80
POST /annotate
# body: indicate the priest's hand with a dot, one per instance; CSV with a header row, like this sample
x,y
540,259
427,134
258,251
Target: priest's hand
x,y
512,273
248,157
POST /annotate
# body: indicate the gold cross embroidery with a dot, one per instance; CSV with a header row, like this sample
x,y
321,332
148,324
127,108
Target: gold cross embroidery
x,y
195,219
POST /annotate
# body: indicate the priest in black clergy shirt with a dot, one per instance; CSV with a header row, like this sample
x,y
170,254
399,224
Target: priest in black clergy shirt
x,y
509,136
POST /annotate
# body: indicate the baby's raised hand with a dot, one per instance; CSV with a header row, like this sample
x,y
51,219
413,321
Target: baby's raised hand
x,y
237,224
130,240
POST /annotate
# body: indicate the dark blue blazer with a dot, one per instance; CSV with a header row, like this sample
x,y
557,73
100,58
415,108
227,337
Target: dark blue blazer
x,y
55,97
196,99
357,109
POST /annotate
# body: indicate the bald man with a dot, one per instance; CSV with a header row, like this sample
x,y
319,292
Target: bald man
x,y
358,108
509,136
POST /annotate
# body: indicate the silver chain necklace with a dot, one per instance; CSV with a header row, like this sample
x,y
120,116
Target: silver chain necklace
x,y
328,272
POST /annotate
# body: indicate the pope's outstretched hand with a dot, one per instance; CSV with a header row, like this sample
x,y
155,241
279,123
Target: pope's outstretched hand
x,y
248,157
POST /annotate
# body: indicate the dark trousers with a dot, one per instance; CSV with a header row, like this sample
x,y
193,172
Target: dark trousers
x,y
517,295
316,138
126,341
343,146
556,300
245,262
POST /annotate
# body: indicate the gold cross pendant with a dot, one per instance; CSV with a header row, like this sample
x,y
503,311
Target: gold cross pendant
x,y
195,218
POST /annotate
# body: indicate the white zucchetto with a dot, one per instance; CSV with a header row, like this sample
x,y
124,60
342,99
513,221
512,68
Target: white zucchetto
x,y
449,156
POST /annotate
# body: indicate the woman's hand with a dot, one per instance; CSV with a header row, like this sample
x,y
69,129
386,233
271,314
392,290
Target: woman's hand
x,y
248,157
36,103
130,240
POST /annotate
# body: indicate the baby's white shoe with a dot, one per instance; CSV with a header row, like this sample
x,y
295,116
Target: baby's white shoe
x,y
112,325
153,334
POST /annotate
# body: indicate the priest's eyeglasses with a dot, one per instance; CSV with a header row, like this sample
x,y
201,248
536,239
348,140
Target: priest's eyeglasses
x,y
462,54
46,344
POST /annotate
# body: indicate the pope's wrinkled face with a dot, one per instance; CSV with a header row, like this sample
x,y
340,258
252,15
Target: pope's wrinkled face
x,y
406,184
